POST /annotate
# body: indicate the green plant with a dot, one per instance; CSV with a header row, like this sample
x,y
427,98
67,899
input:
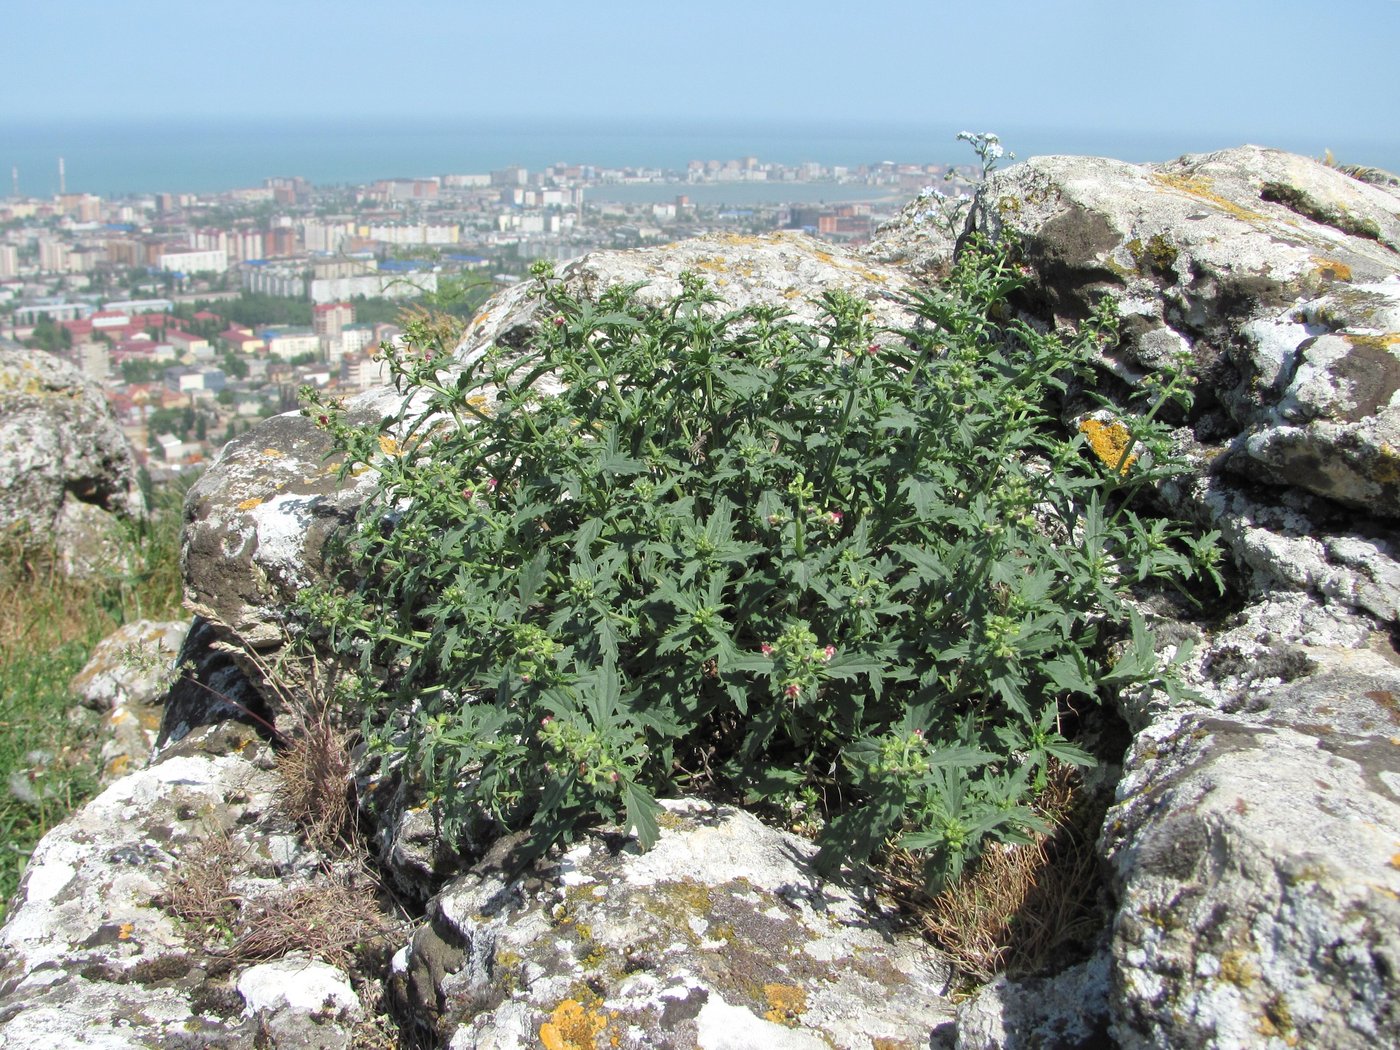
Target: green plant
x,y
686,546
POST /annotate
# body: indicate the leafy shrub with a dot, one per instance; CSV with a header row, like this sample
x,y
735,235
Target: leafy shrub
x,y
684,546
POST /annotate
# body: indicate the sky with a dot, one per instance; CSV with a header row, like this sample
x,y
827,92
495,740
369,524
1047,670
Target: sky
x,y
1285,71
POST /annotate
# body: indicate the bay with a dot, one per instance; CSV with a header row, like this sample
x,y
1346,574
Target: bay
x,y
115,158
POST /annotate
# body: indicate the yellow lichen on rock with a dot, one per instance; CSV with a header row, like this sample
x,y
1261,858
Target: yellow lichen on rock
x,y
1330,269
1109,441
573,1026
1200,188
786,1003
389,446
250,503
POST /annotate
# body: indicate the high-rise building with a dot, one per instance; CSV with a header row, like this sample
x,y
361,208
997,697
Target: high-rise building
x,y
329,319
53,256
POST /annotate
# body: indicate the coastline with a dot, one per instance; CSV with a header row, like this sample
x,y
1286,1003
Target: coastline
x,y
115,158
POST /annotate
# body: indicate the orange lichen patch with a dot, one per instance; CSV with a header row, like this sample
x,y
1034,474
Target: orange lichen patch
x,y
1195,186
481,318
389,446
713,263
741,240
272,453
119,766
1395,861
1373,342
1330,269
791,293
786,1003
573,1026
1109,441
125,930
250,503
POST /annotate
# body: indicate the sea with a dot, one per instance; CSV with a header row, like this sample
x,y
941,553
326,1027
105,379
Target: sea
x,y
114,158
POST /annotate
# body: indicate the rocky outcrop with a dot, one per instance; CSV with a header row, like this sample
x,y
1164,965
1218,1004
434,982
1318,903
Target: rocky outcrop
x,y
1251,849
1255,865
126,681
67,472
721,935
1277,277
95,951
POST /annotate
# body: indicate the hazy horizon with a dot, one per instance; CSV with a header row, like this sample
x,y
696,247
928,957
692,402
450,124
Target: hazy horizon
x,y
1236,70
114,158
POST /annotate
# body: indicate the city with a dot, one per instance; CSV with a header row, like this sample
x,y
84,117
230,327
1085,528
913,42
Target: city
x,y
200,314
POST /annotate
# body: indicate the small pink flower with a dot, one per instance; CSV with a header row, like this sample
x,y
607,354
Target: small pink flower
x,y
559,321
828,652
766,649
546,720
835,517
614,777
792,690
491,484
919,733
467,494
527,680
323,420
873,349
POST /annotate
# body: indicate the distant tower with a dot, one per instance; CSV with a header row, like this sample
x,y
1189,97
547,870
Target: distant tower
x,y
62,181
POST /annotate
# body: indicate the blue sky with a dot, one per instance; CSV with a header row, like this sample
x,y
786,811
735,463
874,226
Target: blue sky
x,y
1242,70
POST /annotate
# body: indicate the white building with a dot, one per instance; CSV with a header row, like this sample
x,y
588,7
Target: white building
x,y
370,285
289,282
287,343
320,236
53,256
212,260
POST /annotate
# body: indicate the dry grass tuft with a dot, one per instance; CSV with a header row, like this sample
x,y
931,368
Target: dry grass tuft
x,y
316,775
199,891
314,764
337,919
1021,909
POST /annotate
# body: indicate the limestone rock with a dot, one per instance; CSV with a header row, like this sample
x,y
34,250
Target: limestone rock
x,y
300,1002
1278,276
89,957
131,666
127,679
922,238
1068,1011
720,936
212,689
66,469
1255,864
